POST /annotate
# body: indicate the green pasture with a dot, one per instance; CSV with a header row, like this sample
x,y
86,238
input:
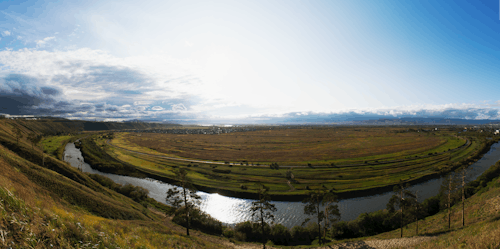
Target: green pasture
x,y
54,145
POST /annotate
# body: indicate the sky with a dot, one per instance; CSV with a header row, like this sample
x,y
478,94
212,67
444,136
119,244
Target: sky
x,y
250,61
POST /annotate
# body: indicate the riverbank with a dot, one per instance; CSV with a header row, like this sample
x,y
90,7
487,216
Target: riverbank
x,y
231,210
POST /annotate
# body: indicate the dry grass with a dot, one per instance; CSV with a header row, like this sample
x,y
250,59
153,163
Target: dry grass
x,y
482,228
32,217
288,145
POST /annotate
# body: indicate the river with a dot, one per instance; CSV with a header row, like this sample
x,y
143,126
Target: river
x,y
230,210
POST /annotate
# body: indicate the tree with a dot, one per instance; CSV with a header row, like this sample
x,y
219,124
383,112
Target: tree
x,y
313,205
403,199
186,196
417,211
332,212
448,192
19,134
263,209
463,176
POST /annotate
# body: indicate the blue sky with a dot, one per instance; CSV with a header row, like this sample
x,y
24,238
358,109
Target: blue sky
x,y
245,61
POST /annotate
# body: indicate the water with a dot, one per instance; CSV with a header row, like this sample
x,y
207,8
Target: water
x,y
230,210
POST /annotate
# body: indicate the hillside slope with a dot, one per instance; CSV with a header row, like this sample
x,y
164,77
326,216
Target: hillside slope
x,y
481,230
57,206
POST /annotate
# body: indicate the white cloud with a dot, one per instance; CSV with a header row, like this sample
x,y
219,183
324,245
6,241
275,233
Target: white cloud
x,y
178,107
156,108
41,43
6,33
19,37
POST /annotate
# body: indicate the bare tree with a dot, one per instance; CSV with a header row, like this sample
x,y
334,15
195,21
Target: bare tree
x,y
264,210
448,190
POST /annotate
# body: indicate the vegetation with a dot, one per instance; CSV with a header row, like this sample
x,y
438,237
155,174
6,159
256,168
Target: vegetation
x,y
263,210
404,199
59,207
54,205
345,177
314,205
54,145
294,146
185,197
102,161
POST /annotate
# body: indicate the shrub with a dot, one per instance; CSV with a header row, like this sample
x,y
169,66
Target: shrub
x,y
300,236
199,220
228,232
250,231
280,235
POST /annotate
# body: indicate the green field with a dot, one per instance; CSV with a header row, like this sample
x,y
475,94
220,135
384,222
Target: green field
x,y
54,145
347,174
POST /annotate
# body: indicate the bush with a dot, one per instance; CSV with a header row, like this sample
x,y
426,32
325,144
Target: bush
x,y
251,231
228,232
136,193
300,236
280,235
199,220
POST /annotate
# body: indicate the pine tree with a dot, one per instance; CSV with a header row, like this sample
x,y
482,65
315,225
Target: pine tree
x,y
403,199
263,209
314,202
186,196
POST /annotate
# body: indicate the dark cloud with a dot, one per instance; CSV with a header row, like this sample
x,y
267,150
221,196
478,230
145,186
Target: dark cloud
x,y
112,109
49,91
20,95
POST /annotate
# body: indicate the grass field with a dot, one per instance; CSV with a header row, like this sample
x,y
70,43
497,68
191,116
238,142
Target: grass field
x,y
54,145
293,146
423,154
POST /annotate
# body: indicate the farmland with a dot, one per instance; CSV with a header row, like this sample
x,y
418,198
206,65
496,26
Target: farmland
x,y
293,146
343,160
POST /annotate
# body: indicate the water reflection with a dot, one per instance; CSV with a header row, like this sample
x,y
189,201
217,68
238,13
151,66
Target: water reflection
x,y
230,210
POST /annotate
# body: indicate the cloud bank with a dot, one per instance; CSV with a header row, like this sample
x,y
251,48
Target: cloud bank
x,y
89,84
92,84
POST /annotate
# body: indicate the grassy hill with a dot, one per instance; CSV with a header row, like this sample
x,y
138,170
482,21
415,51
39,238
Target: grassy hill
x,y
57,206
482,223
64,126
